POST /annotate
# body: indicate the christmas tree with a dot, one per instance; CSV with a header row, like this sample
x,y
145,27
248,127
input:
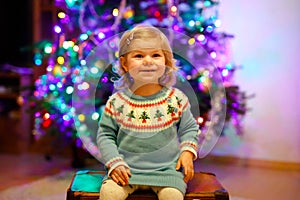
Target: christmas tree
x,y
76,78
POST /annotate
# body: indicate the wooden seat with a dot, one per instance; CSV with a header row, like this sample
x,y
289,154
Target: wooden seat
x,y
204,186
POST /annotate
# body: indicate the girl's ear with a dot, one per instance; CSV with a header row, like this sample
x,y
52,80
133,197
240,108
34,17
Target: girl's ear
x,y
123,63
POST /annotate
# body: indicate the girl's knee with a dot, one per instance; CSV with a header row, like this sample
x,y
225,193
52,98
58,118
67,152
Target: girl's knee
x,y
169,193
112,191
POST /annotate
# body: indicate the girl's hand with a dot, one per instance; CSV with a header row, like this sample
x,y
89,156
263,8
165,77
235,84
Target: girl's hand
x,y
186,161
121,175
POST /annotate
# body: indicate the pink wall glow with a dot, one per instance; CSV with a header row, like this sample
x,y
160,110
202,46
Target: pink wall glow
x,y
267,45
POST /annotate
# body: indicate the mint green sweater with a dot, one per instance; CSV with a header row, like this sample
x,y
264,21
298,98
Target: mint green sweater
x,y
147,134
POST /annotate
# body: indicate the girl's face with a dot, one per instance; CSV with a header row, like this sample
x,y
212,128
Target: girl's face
x,y
145,66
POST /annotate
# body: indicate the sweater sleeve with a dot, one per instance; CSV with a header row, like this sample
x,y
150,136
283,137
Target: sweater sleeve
x,y
107,139
188,129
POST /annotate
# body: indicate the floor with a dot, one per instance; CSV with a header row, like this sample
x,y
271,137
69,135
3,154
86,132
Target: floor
x,y
242,183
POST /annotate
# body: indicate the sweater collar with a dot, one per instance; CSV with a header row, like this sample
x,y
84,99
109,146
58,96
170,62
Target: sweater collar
x,y
159,94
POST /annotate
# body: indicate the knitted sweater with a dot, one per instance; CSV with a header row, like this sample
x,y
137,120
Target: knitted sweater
x,y
147,134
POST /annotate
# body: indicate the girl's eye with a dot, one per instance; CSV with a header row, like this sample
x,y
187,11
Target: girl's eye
x,y
138,56
156,55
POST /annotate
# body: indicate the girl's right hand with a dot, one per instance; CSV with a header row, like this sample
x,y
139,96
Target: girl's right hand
x,y
121,175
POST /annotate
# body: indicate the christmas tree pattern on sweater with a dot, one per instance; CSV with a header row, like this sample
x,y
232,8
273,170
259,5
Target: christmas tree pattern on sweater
x,y
153,114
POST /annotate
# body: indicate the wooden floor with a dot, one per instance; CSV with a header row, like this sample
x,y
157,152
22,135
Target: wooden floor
x,y
242,183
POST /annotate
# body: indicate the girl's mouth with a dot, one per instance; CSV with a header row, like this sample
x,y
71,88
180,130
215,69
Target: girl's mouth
x,y
147,70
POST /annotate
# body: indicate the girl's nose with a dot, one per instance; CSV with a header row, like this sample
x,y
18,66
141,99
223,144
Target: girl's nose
x,y
147,60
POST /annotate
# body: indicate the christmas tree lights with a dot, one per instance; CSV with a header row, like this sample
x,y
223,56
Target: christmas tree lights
x,y
82,25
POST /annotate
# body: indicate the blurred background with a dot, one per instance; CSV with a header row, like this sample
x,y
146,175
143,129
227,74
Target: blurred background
x,y
253,44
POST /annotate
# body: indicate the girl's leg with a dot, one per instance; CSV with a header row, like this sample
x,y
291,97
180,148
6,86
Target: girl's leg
x,y
112,191
168,193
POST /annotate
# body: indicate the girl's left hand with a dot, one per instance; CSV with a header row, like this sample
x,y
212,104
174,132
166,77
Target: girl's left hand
x,y
186,161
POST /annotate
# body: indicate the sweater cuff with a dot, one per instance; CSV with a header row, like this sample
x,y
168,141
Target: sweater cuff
x,y
189,146
114,163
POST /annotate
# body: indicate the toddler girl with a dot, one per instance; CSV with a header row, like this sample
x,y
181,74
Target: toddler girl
x,y
147,136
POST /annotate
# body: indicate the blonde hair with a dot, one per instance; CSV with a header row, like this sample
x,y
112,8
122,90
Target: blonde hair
x,y
142,36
